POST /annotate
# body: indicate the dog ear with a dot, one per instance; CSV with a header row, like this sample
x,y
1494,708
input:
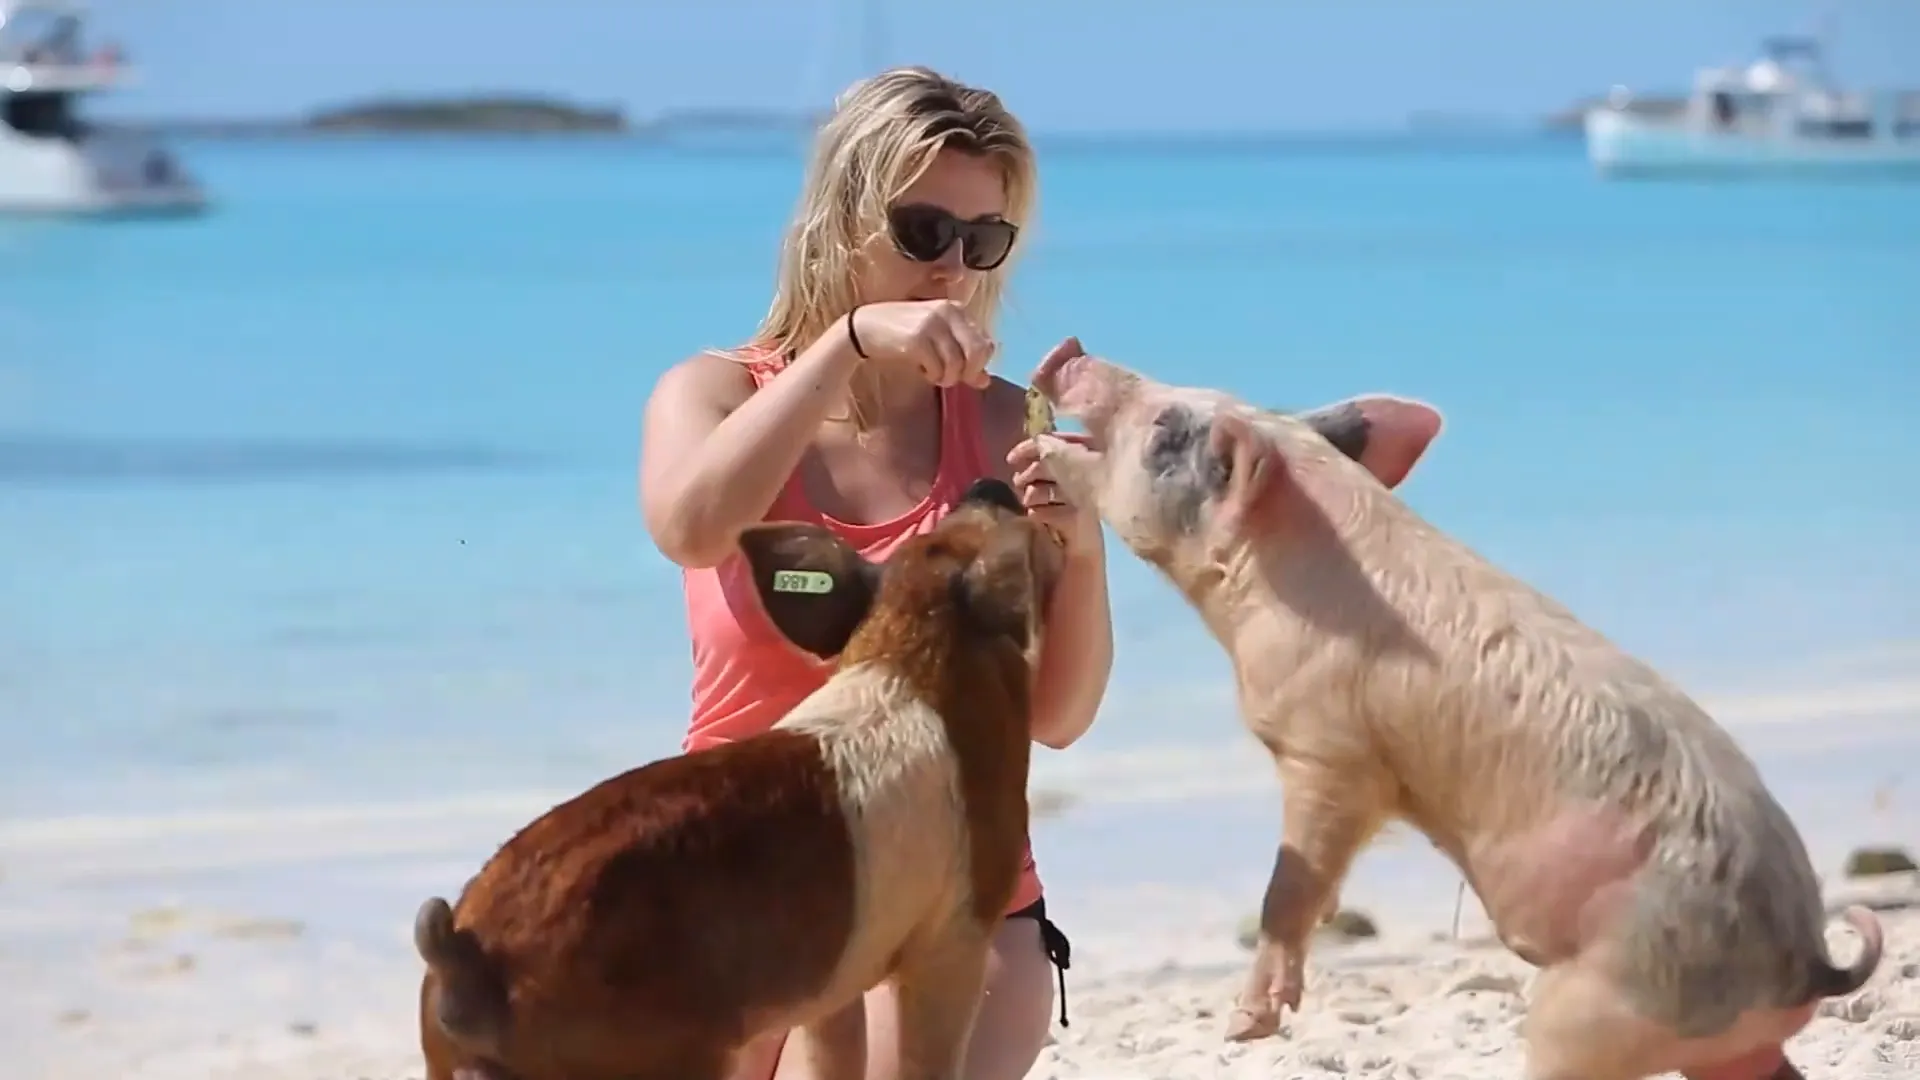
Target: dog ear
x,y
816,589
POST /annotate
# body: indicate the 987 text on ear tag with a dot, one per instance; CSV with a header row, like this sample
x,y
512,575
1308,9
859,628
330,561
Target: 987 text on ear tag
x,y
813,582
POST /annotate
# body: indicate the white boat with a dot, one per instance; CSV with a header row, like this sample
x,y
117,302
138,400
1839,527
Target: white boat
x,y
1780,114
52,161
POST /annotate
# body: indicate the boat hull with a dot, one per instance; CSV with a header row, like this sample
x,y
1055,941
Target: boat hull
x,y
1623,145
176,201
98,176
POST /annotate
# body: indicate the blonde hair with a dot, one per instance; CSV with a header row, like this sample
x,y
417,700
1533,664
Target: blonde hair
x,y
882,135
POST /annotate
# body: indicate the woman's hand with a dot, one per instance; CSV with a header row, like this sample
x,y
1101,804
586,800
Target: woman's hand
x,y
1077,527
934,335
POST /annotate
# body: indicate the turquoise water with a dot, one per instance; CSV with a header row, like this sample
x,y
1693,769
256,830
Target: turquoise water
x,y
327,499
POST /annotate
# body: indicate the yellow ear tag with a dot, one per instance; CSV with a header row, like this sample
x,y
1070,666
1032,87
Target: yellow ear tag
x,y
815,582
1039,413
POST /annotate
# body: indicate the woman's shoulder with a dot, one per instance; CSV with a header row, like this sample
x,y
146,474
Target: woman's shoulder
x,y
709,376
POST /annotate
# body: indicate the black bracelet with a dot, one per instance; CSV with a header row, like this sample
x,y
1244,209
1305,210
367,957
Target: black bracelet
x,y
854,338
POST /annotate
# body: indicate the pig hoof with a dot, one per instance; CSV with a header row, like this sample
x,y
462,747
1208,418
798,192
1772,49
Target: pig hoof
x,y
1249,1023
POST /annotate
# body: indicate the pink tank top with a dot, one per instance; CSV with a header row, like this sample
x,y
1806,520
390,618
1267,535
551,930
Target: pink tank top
x,y
745,675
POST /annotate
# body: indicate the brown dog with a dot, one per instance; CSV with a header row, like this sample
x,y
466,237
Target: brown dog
x,y
1617,836
652,926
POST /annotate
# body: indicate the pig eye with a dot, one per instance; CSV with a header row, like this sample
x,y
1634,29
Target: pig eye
x,y
1174,423
1219,471
1173,445
1173,432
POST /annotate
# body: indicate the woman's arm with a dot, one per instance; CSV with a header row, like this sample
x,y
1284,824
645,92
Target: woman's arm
x,y
715,453
1076,655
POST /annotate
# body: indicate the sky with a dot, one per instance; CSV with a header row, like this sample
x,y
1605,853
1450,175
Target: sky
x,y
1067,66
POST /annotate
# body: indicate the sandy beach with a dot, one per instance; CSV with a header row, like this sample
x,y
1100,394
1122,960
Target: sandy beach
x,y
271,942
270,939
1437,1011
180,993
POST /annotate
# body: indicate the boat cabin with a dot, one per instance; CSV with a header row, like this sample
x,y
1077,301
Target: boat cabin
x,y
1788,92
51,159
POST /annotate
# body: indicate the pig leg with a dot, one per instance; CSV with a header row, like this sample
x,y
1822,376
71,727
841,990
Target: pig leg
x,y
1581,1025
1330,815
1578,1027
938,987
1768,1064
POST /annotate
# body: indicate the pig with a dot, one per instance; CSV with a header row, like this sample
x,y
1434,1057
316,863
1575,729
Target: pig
x,y
1620,840
652,926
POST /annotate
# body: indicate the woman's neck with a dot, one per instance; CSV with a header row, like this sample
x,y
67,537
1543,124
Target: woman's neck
x,y
877,397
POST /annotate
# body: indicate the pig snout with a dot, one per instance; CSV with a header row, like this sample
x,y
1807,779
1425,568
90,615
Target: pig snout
x,y
1085,388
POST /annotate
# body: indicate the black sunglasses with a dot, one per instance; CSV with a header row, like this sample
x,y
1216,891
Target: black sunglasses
x,y
924,233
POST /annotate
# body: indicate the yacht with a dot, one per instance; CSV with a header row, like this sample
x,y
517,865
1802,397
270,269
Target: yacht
x,y
1781,113
52,161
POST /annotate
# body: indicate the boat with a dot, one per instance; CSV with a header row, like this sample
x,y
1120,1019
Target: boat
x,y
51,160
1781,113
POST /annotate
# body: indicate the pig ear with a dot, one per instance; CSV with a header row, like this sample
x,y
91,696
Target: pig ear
x,y
999,586
1242,477
815,588
1385,434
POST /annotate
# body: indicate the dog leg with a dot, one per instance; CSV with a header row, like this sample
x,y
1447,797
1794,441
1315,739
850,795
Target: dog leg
x,y
939,984
1330,816
689,1063
833,1047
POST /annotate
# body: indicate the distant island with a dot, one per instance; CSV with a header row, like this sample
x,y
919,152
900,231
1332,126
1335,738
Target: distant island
x,y
504,113
492,114
1658,106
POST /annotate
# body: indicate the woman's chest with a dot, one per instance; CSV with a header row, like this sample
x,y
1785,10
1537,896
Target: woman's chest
x,y
879,479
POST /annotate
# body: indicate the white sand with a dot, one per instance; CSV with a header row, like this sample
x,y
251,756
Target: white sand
x,y
194,995
1434,1012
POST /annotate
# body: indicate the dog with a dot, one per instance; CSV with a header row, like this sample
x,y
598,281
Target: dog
x,y
652,926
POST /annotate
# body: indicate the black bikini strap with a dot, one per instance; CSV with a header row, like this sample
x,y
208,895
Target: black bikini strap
x,y
1060,952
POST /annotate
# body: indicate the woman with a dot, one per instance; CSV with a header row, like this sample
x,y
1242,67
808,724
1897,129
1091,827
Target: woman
x,y
863,402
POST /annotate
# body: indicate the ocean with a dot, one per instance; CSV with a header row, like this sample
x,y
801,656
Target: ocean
x,y
318,524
